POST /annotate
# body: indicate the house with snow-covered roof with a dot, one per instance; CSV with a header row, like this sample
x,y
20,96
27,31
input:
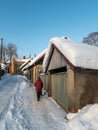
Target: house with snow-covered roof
x,y
34,67
14,65
72,70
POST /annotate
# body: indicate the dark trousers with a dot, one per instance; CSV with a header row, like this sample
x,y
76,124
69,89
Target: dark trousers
x,y
38,95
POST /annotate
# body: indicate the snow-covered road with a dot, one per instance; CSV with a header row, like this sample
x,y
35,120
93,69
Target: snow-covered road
x,y
19,109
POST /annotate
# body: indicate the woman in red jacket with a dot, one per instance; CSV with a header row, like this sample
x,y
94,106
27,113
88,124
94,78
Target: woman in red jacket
x,y
38,86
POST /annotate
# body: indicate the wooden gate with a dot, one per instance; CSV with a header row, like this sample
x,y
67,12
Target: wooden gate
x,y
59,89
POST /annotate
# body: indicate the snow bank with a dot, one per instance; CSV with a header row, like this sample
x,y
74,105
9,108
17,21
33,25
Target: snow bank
x,y
85,119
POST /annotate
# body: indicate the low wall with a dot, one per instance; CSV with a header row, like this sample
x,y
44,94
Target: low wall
x,y
86,87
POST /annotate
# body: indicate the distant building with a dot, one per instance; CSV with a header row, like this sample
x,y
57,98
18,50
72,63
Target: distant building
x,y
33,68
14,65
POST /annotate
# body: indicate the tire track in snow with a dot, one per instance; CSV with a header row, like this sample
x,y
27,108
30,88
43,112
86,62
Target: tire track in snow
x,y
11,113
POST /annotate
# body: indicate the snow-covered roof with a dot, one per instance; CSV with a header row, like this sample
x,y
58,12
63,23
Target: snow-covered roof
x,y
22,59
34,60
26,62
78,54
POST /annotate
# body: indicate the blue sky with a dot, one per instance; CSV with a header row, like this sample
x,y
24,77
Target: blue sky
x,y
30,24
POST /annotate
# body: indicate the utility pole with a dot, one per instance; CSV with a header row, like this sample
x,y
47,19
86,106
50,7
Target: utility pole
x,y
1,48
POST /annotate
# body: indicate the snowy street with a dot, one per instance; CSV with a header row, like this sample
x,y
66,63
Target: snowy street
x,y
19,109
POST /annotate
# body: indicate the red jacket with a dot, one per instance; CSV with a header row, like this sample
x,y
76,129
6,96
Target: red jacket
x,y
39,85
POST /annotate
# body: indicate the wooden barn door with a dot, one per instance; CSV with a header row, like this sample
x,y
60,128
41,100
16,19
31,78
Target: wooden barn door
x,y
59,89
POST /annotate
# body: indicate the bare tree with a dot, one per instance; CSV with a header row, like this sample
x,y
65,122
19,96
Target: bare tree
x,y
91,39
11,50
